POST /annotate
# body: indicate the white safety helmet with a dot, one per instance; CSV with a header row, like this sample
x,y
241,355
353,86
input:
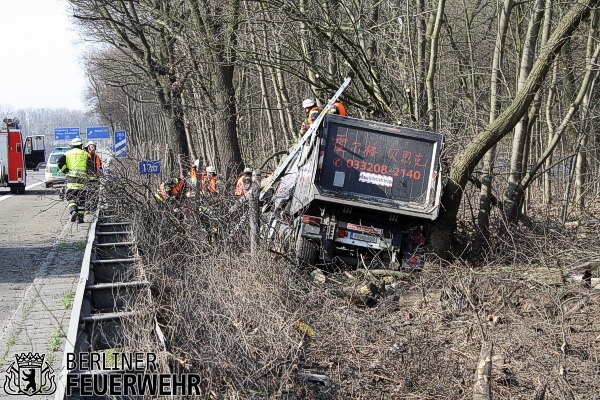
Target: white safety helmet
x,y
76,142
308,103
196,163
91,143
211,170
248,170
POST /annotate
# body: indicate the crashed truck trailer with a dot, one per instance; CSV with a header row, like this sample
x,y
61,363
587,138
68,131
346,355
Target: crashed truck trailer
x,y
360,192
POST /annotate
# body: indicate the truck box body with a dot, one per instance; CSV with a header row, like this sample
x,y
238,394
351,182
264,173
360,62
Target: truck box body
x,y
12,170
375,166
361,190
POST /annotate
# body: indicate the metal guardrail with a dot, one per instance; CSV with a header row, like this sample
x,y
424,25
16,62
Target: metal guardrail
x,y
109,282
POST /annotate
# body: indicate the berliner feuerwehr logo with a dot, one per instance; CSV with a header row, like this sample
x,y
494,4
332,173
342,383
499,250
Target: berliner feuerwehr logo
x,y
29,375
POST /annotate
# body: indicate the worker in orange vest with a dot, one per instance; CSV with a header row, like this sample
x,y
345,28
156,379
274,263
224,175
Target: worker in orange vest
x,y
172,189
244,183
96,164
338,108
209,180
94,171
312,113
193,178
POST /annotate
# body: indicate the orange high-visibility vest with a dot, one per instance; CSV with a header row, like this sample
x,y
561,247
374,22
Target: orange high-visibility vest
x,y
210,185
338,108
242,185
313,114
96,162
167,189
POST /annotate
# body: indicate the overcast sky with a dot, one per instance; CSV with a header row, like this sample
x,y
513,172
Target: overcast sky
x,y
39,64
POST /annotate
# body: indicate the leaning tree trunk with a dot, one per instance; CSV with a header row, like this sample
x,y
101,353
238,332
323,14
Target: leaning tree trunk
x,y
442,230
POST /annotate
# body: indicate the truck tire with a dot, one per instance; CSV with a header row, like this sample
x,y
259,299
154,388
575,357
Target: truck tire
x,y
307,252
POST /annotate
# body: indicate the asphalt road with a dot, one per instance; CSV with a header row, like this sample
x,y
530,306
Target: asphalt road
x,y
31,224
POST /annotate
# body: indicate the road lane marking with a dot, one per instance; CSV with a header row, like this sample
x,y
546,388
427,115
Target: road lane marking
x,y
8,196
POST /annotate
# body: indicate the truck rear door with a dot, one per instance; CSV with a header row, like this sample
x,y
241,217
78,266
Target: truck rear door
x,y
16,161
380,164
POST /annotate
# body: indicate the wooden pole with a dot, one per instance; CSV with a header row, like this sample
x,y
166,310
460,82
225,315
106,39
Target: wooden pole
x,y
482,389
254,212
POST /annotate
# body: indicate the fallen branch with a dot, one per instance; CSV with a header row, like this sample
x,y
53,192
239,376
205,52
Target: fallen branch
x,y
383,272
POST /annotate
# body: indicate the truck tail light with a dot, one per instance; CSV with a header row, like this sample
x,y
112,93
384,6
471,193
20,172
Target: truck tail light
x,y
342,233
48,169
314,221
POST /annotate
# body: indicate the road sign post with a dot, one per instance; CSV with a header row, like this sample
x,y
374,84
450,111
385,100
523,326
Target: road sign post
x,y
98,132
120,148
150,167
65,133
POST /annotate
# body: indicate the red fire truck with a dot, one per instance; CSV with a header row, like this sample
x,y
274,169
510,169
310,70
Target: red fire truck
x,y
12,159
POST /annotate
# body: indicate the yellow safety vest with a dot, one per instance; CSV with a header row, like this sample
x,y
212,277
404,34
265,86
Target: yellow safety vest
x,y
76,161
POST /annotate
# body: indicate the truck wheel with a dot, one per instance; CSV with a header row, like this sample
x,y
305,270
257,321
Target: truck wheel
x,y
307,252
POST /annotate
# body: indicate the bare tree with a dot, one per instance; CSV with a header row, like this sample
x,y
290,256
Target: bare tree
x,y
465,162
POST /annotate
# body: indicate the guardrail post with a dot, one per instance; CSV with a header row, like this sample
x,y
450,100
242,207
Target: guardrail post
x,y
254,212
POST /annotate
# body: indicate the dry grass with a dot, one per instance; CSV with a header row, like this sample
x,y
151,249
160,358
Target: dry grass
x,y
233,317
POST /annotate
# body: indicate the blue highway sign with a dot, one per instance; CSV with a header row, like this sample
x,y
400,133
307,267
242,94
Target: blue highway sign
x,y
98,132
150,167
65,133
120,148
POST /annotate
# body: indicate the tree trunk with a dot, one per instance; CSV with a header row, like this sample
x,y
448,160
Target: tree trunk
x,y
432,111
483,218
581,163
308,53
266,100
254,211
442,230
283,101
550,128
512,204
217,33
482,389
419,92
586,83
551,92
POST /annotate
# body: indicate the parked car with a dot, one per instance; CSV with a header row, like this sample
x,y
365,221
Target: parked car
x,y
53,175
